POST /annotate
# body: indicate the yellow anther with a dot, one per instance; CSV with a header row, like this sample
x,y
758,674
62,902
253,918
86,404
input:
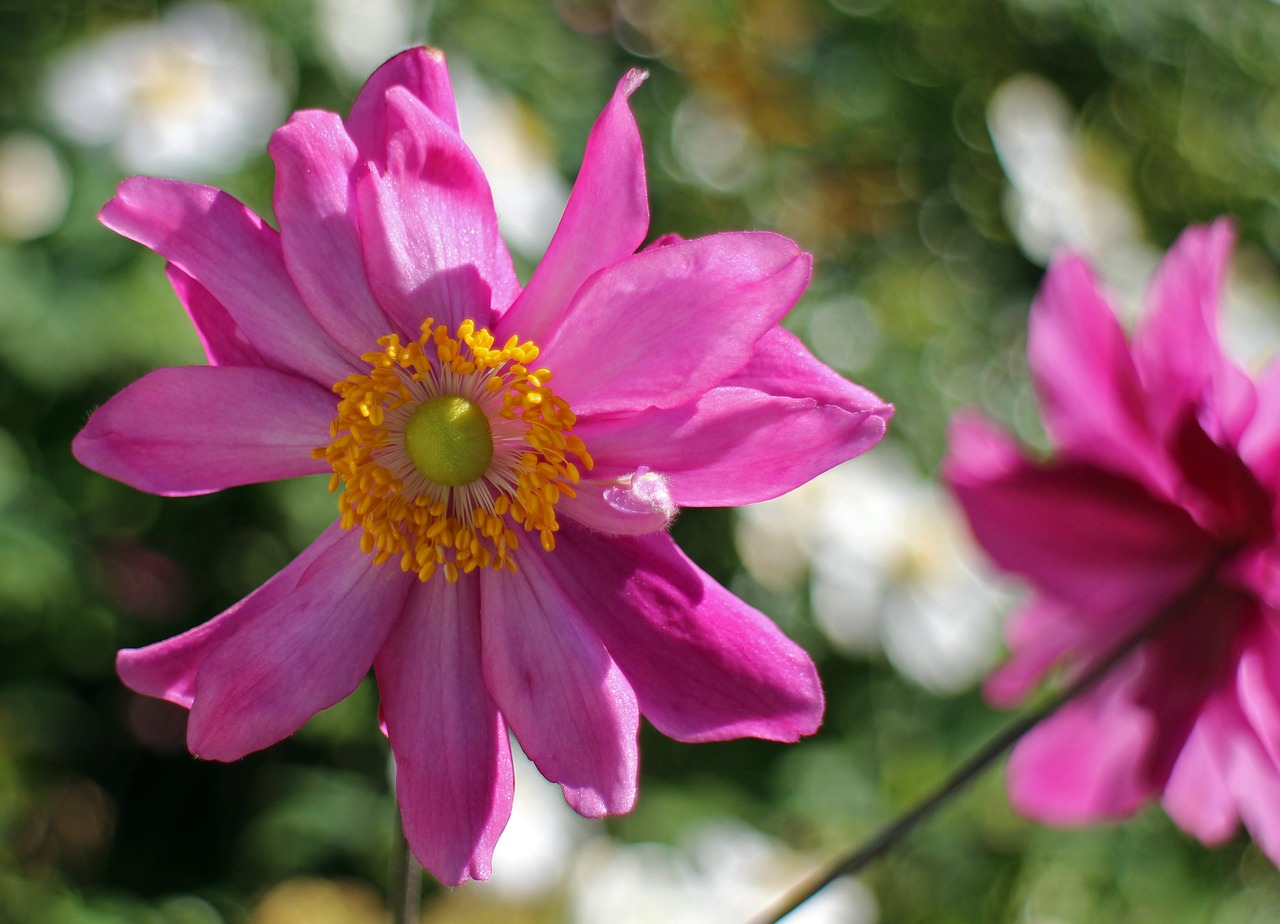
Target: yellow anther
x,y
469,522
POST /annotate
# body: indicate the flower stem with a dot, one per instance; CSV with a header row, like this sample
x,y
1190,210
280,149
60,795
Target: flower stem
x,y
406,880
884,839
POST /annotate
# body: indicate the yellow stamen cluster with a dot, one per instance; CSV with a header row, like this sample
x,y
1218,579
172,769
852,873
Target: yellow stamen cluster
x,y
459,528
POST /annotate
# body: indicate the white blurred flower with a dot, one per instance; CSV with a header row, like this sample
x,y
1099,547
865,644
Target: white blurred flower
x,y
1057,198
35,187
889,564
359,35
188,95
724,872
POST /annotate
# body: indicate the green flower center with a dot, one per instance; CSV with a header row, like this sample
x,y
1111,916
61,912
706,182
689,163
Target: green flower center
x,y
449,440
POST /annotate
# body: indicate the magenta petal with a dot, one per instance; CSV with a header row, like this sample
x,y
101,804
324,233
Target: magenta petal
x,y
423,73
1253,777
723,449
1084,763
167,670
1198,795
453,761
291,657
604,222
238,259
1113,547
1089,391
1176,343
570,707
1038,635
705,666
320,229
663,326
225,344
196,429
430,233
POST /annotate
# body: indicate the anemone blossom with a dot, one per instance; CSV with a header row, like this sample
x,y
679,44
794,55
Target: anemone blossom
x,y
1156,508
508,459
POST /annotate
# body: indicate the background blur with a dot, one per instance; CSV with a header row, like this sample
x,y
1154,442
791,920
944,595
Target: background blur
x,y
931,154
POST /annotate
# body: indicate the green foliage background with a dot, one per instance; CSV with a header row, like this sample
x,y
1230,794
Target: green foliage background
x,y
871,148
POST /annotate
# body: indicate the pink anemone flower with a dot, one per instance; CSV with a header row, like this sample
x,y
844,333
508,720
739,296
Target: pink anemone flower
x,y
1158,508
508,459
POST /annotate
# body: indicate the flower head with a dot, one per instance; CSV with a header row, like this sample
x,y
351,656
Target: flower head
x,y
1162,488
506,459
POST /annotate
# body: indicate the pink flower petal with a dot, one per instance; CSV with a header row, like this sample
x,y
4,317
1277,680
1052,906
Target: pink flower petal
x,y
168,669
1112,548
1198,795
604,222
1252,776
1092,401
320,230
570,707
238,259
705,666
453,762
225,344
664,326
721,450
422,72
196,429
1176,343
291,657
430,234
1039,634
1084,763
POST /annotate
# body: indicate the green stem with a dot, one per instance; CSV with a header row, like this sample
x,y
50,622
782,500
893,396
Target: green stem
x,y
406,880
884,839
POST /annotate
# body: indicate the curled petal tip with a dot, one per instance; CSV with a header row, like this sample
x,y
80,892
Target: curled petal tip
x,y
632,79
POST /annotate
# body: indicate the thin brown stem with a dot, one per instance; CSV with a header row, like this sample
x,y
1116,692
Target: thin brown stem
x,y
884,839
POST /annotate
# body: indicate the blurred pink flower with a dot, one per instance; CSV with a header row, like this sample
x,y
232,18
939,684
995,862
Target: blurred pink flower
x,y
1162,484
501,557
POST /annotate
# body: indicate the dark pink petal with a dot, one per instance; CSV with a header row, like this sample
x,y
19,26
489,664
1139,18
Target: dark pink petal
x,y
1084,763
422,72
604,222
430,234
705,666
1096,541
664,326
1092,401
315,203
453,762
237,258
291,657
1176,342
196,429
1218,489
1140,717
772,426
224,342
570,707
167,670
